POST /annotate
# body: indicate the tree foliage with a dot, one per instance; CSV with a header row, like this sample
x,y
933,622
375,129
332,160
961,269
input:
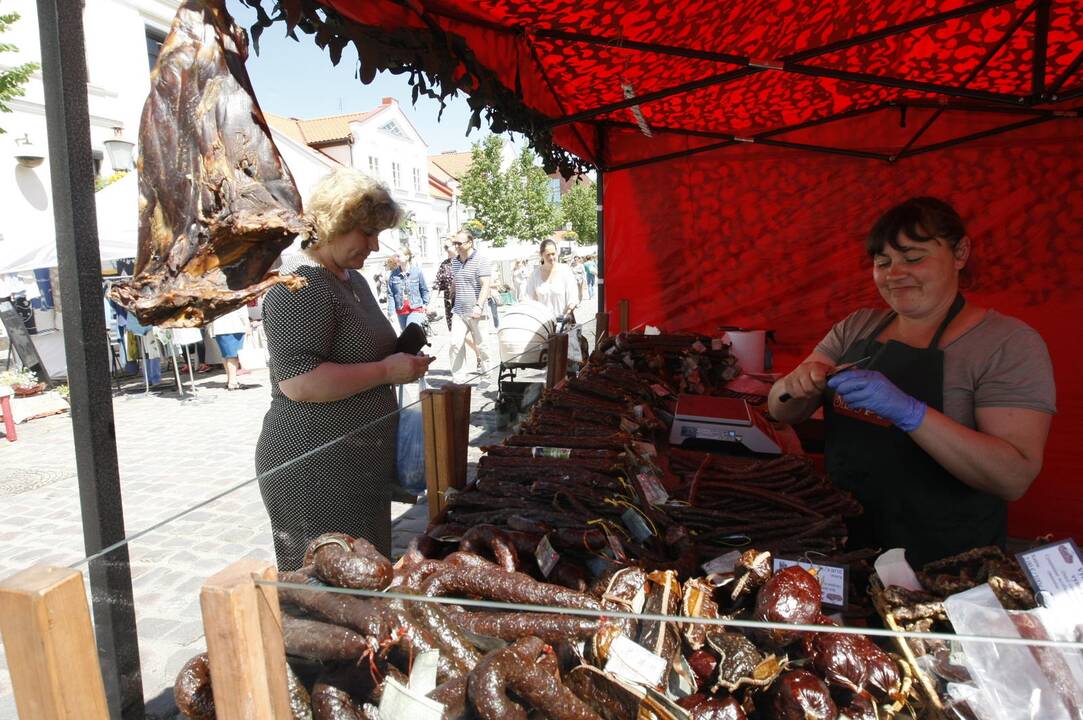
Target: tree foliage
x,y
538,216
485,189
580,206
511,204
12,79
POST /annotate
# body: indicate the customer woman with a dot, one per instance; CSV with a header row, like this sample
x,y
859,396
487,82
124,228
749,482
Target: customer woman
x,y
229,331
332,362
947,421
409,291
552,284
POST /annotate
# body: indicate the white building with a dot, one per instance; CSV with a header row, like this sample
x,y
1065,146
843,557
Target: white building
x,y
384,143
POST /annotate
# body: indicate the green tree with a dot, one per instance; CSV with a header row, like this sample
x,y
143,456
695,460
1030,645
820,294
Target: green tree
x,y
12,79
486,190
538,216
580,207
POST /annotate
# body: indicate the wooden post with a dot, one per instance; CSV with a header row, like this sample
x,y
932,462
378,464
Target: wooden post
x,y
601,328
460,431
557,365
242,625
51,653
438,444
625,323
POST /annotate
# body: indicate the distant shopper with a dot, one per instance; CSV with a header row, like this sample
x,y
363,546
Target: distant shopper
x,y
409,291
229,331
590,268
472,277
553,284
445,281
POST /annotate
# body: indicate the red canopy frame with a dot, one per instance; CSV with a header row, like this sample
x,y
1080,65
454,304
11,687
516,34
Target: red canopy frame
x,y
744,147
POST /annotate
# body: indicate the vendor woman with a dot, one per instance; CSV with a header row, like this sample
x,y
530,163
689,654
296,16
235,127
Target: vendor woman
x,y
946,420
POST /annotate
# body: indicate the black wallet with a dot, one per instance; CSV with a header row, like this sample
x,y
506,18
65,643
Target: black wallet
x,y
412,339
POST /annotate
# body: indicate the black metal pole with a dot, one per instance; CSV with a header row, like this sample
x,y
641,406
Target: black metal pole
x,y
71,164
600,207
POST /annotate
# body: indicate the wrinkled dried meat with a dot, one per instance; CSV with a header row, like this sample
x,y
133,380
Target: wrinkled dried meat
x,y
216,203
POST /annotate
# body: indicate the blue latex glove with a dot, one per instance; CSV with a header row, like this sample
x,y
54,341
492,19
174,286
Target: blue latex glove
x,y
870,390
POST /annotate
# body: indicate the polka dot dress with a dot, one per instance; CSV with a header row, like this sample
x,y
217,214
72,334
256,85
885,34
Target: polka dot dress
x,y
346,487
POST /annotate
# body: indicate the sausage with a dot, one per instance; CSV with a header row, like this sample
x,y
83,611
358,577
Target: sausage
x,y
513,626
367,617
192,690
322,641
347,562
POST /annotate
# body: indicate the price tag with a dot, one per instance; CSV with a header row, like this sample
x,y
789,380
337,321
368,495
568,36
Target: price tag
x,y
1055,572
423,672
659,390
722,563
645,448
633,662
629,361
637,410
546,555
652,488
832,578
717,344
401,703
636,525
551,452
699,347
628,426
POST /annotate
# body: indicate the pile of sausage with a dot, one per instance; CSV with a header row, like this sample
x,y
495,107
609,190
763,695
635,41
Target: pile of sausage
x,y
511,663
694,364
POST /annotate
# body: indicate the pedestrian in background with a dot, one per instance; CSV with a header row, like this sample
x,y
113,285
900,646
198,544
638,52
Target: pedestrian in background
x,y
472,277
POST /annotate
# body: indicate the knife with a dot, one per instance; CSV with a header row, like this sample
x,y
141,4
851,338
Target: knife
x,y
834,371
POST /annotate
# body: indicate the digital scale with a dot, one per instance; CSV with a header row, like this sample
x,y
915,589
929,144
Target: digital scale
x,y
722,419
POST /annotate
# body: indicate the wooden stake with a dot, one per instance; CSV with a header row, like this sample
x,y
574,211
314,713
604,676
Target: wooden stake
x,y
625,322
557,364
432,462
49,641
601,328
439,447
460,430
242,625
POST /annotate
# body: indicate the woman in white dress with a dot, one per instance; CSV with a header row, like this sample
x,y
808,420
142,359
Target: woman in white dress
x,y
553,284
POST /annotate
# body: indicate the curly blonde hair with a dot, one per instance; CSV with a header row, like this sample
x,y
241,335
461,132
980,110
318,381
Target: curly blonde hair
x,y
346,199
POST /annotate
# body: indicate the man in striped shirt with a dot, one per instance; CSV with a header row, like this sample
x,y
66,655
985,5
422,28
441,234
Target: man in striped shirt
x,y
471,272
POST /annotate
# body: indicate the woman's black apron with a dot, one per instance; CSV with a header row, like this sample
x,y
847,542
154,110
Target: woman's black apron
x,y
910,501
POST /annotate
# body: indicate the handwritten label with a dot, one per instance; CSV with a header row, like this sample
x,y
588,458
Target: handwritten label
x,y
634,663
1055,572
659,390
401,703
832,579
722,563
636,525
551,452
546,555
652,488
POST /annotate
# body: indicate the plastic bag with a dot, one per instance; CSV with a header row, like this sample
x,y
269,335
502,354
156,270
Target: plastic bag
x,y
411,450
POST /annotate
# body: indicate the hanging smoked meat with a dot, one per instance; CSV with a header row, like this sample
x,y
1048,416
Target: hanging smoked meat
x,y
216,203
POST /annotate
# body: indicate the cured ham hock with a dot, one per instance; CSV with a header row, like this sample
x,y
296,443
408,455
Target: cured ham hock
x,y
216,203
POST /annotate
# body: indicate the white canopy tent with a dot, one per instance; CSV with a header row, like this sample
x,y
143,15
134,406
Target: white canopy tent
x,y
32,243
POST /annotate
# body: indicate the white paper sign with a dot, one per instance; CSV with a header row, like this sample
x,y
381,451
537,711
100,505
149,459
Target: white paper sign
x,y
1056,572
652,488
400,703
832,579
722,563
635,663
546,555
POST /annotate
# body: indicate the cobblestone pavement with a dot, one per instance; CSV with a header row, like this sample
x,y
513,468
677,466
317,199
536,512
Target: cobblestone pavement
x,y
173,455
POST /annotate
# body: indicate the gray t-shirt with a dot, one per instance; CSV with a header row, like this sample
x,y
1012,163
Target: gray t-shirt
x,y
1000,362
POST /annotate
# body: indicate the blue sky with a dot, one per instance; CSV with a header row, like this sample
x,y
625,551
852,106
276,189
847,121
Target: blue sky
x,y
297,79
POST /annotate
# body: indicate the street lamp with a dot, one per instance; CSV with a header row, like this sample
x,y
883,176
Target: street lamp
x,y
120,152
27,154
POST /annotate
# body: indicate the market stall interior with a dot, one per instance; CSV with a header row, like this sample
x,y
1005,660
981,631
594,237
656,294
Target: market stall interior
x,y
776,134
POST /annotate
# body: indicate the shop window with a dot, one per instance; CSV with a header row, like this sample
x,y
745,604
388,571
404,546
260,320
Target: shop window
x,y
374,166
396,174
154,45
417,180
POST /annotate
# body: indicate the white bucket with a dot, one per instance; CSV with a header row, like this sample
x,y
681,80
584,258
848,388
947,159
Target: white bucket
x,y
748,347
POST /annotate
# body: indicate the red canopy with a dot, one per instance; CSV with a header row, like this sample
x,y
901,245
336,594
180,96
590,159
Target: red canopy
x,y
746,147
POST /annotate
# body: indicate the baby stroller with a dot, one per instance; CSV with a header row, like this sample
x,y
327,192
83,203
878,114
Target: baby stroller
x,y
523,340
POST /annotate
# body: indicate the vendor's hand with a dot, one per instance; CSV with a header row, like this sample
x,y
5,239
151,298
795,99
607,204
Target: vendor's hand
x,y
808,380
870,390
403,367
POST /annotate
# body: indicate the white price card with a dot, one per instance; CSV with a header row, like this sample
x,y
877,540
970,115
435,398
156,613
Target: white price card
x,y
401,703
722,563
547,556
552,452
636,525
832,579
635,663
1055,572
653,492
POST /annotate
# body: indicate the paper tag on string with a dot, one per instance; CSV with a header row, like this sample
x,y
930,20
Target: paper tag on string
x,y
633,662
636,525
699,347
717,344
546,555
832,579
423,672
401,703
645,448
652,488
659,390
551,452
628,426
723,563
